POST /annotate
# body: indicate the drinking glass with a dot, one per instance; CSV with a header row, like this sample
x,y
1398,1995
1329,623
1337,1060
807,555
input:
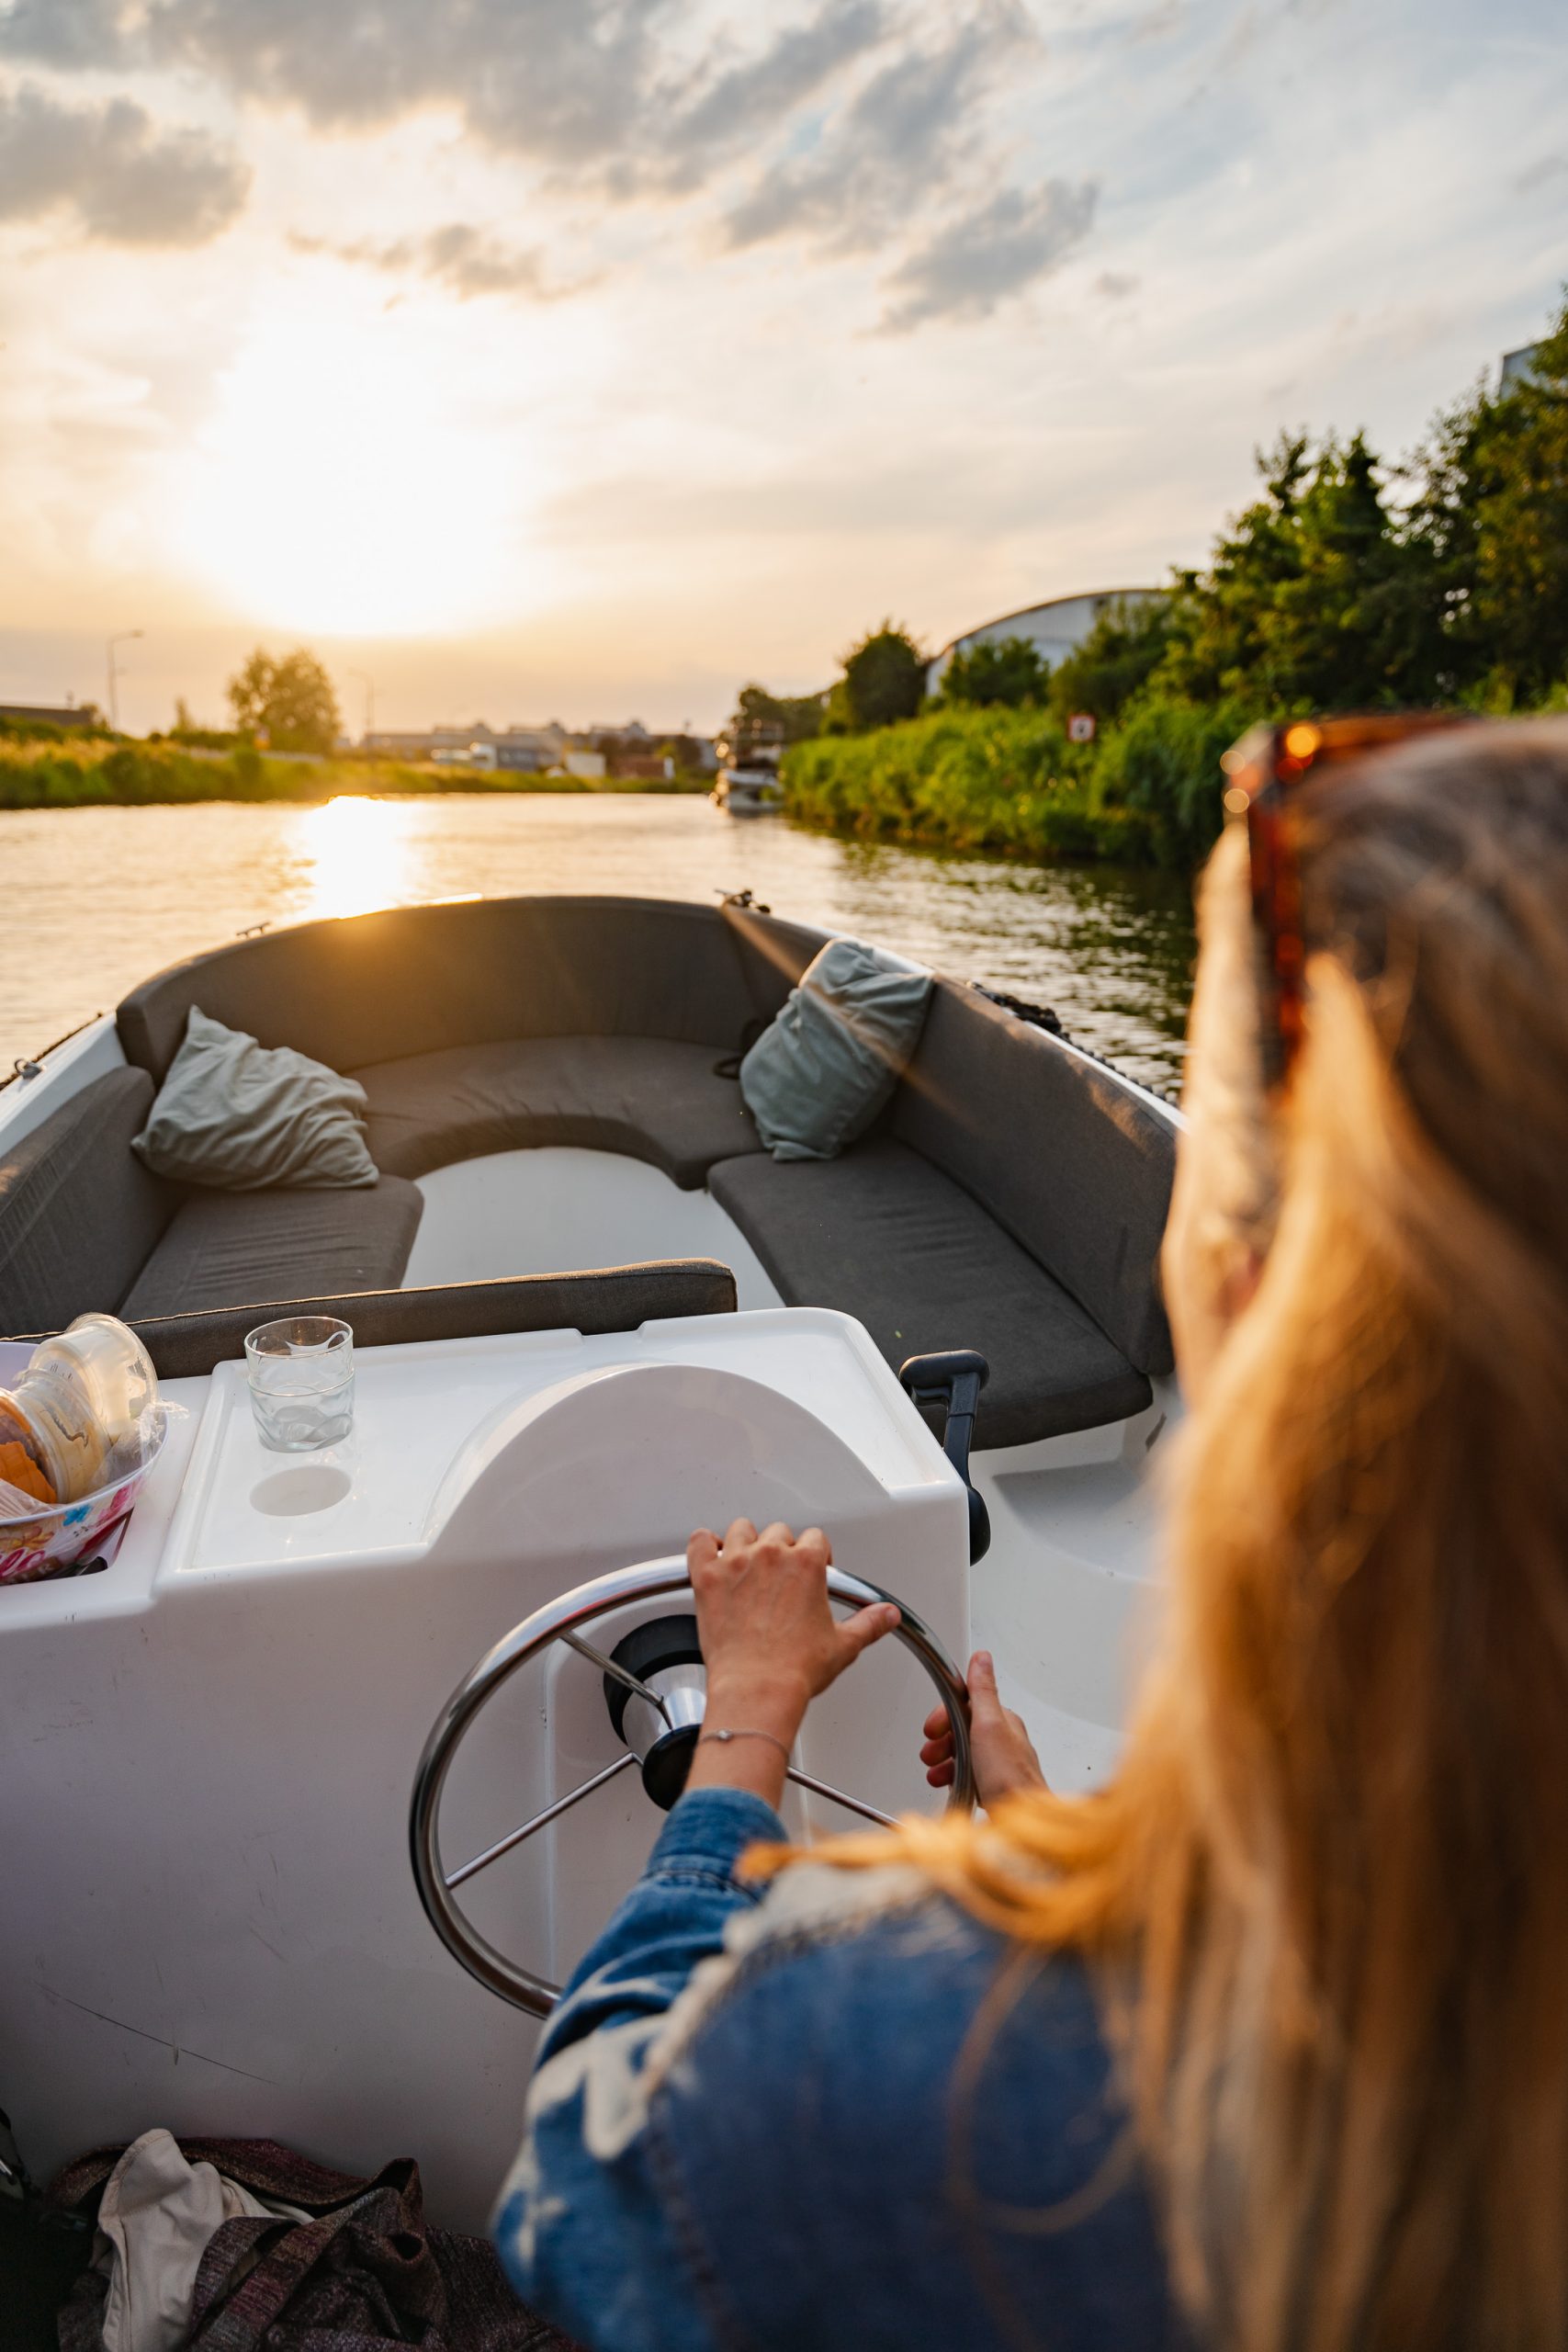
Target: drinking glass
x,y
301,1374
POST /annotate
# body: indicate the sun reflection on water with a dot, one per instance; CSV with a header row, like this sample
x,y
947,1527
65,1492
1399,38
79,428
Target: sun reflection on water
x,y
359,854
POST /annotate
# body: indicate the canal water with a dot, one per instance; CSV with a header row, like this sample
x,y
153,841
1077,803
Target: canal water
x,y
97,898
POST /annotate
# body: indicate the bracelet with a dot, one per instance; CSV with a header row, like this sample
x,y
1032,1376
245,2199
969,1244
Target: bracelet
x,y
727,1736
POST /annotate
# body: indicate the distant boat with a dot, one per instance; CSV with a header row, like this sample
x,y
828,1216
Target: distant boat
x,y
749,776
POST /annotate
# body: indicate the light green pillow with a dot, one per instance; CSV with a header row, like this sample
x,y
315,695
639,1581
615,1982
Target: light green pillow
x,y
828,1061
240,1116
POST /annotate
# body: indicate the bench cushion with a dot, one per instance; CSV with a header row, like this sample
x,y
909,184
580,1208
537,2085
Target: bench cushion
x,y
79,1214
238,1248
612,1299
1068,1159
647,1097
417,980
888,1238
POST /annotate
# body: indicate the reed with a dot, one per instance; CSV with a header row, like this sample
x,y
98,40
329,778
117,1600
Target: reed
x,y
95,772
1147,793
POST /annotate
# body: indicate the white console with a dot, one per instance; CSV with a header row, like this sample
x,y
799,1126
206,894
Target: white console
x,y
207,1749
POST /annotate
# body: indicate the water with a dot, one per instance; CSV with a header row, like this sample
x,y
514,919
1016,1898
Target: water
x,y
98,899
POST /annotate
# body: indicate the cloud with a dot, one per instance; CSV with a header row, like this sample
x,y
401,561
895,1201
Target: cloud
x,y
465,259
1542,174
862,125
975,262
1115,285
724,115
591,88
115,172
901,141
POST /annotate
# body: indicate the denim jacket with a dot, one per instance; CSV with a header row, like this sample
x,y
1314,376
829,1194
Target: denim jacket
x,y
837,2113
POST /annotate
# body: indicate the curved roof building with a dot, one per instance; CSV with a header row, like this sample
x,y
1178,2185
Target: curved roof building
x,y
1055,628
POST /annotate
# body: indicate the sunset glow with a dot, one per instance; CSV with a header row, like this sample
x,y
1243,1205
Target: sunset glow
x,y
534,362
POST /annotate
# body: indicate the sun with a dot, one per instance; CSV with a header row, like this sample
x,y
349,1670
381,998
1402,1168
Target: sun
x,y
350,483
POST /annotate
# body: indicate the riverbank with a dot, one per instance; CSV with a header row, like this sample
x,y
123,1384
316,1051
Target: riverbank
x,y
1147,793
98,773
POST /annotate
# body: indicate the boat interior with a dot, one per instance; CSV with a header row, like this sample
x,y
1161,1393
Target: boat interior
x,y
590,1311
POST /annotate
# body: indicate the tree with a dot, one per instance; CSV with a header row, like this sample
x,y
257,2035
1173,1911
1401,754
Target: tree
x,y
884,681
1490,515
1122,649
1316,598
291,701
1008,670
799,716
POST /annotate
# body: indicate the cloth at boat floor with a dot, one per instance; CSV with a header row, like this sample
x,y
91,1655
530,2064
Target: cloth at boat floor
x,y
246,2247
155,2218
884,1235
649,1097
241,1249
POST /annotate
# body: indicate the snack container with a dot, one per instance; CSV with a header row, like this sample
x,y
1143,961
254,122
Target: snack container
x,y
51,1538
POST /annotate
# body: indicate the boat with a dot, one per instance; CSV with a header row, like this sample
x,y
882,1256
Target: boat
x,y
314,1789
748,783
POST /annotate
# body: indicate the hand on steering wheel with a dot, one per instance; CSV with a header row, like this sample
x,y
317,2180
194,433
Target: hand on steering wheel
x,y
770,1643
1002,1751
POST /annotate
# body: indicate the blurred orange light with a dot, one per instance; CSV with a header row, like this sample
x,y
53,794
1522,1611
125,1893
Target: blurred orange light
x,y
1302,742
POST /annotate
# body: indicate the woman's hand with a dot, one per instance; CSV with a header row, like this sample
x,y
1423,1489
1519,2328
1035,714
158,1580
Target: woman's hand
x,y
770,1644
999,1749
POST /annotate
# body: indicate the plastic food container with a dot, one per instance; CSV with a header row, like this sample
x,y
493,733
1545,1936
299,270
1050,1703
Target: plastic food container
x,y
79,1431
52,1539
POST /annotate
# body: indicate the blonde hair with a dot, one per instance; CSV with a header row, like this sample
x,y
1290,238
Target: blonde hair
x,y
1326,1894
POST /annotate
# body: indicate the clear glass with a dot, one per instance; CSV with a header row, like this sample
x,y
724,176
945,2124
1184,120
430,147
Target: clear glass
x,y
301,1376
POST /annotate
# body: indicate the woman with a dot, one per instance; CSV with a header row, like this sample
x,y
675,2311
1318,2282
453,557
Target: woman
x,y
1267,2045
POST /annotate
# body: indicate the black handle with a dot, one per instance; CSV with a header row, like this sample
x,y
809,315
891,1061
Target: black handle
x,y
954,1380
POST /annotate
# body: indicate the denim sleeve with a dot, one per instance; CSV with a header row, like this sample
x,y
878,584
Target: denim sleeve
x,y
584,2228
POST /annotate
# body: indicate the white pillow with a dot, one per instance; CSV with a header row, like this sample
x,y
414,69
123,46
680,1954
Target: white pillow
x,y
240,1116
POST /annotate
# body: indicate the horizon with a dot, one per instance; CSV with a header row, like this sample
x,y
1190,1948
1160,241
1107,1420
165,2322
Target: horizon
x,y
539,367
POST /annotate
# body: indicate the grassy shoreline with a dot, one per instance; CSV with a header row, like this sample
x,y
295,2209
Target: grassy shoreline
x,y
95,773
1147,793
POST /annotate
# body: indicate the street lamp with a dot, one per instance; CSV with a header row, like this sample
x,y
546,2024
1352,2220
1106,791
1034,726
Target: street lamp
x,y
368,682
123,638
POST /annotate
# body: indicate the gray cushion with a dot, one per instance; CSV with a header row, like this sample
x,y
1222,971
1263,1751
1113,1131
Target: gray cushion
x,y
888,1238
613,1298
1073,1165
233,1248
644,1096
242,1117
78,1212
416,979
824,1067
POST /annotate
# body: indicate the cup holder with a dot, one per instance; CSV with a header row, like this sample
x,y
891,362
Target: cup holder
x,y
292,1494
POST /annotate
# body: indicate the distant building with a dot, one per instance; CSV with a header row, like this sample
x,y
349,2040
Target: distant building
x,y
1517,365
589,765
529,750
40,714
645,767
1054,629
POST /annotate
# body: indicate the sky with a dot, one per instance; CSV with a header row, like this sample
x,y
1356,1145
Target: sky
x,y
585,358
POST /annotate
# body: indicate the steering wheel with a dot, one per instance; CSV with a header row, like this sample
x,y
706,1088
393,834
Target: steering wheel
x,y
658,1716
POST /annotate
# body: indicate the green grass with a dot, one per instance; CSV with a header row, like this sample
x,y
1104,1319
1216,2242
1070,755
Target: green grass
x,y
77,773
1147,793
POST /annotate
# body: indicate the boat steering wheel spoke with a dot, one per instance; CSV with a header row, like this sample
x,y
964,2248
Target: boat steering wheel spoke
x,y
662,1745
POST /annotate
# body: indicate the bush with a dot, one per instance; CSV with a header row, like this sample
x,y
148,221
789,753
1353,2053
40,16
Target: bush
x,y
992,778
1147,793
1161,766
